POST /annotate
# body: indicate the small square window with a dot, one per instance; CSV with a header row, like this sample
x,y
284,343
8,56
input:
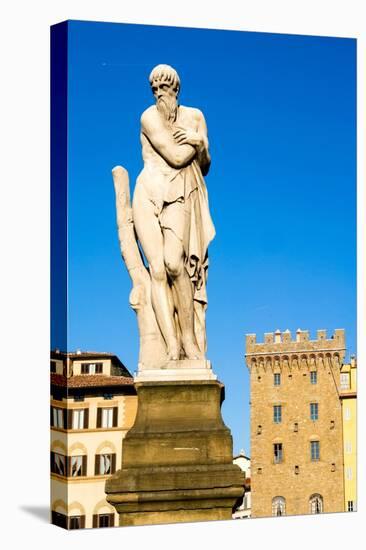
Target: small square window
x,y
277,379
277,414
314,450
313,377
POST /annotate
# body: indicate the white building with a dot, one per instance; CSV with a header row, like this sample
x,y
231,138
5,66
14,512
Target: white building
x,y
244,509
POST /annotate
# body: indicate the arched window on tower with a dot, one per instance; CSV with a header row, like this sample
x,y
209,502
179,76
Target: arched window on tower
x,y
316,504
278,506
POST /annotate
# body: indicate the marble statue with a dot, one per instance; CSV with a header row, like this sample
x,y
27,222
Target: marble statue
x,y
171,219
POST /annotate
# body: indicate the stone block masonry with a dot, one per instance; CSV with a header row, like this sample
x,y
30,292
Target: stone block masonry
x,y
296,423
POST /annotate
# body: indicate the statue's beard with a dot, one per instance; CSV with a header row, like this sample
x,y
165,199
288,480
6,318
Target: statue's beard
x,y
167,107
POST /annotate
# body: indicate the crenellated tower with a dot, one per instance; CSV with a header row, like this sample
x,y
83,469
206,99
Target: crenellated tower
x,y
296,422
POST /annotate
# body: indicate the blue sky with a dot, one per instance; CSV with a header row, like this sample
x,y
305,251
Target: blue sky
x,y
280,111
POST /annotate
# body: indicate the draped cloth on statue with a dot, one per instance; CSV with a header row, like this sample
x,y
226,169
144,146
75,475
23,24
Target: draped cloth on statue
x,y
185,211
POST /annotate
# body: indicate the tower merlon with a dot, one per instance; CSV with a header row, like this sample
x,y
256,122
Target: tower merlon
x,y
281,342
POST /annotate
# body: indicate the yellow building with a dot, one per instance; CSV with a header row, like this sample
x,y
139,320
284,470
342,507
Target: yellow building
x,y
93,405
348,394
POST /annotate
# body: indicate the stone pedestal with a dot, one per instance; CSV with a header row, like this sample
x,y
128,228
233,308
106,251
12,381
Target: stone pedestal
x,y
177,458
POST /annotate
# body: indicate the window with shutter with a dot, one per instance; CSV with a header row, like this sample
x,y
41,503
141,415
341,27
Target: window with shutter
x,y
77,466
58,464
104,520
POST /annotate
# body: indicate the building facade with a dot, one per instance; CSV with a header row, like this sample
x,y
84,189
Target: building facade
x,y
93,405
243,510
349,418
296,423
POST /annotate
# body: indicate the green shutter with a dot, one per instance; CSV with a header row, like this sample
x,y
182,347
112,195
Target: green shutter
x,y
99,417
111,520
86,419
69,419
97,465
95,520
83,467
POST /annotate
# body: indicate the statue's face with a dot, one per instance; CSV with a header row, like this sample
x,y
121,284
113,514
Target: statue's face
x,y
163,90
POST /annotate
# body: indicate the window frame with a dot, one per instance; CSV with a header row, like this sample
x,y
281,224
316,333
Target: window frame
x,y
277,453
101,417
345,385
277,379
99,461
314,411
83,422
316,499
57,417
92,368
80,519
55,461
315,446
313,377
278,504
277,414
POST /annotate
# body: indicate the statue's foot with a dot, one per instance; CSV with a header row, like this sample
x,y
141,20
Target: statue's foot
x,y
192,351
173,352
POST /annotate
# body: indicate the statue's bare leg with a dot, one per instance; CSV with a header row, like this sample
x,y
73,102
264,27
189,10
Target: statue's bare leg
x,y
150,236
182,292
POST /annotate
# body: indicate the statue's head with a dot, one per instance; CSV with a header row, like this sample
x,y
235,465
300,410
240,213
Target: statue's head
x,y
165,85
162,78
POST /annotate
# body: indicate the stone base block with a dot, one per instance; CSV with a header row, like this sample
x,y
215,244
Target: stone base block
x,y
177,458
